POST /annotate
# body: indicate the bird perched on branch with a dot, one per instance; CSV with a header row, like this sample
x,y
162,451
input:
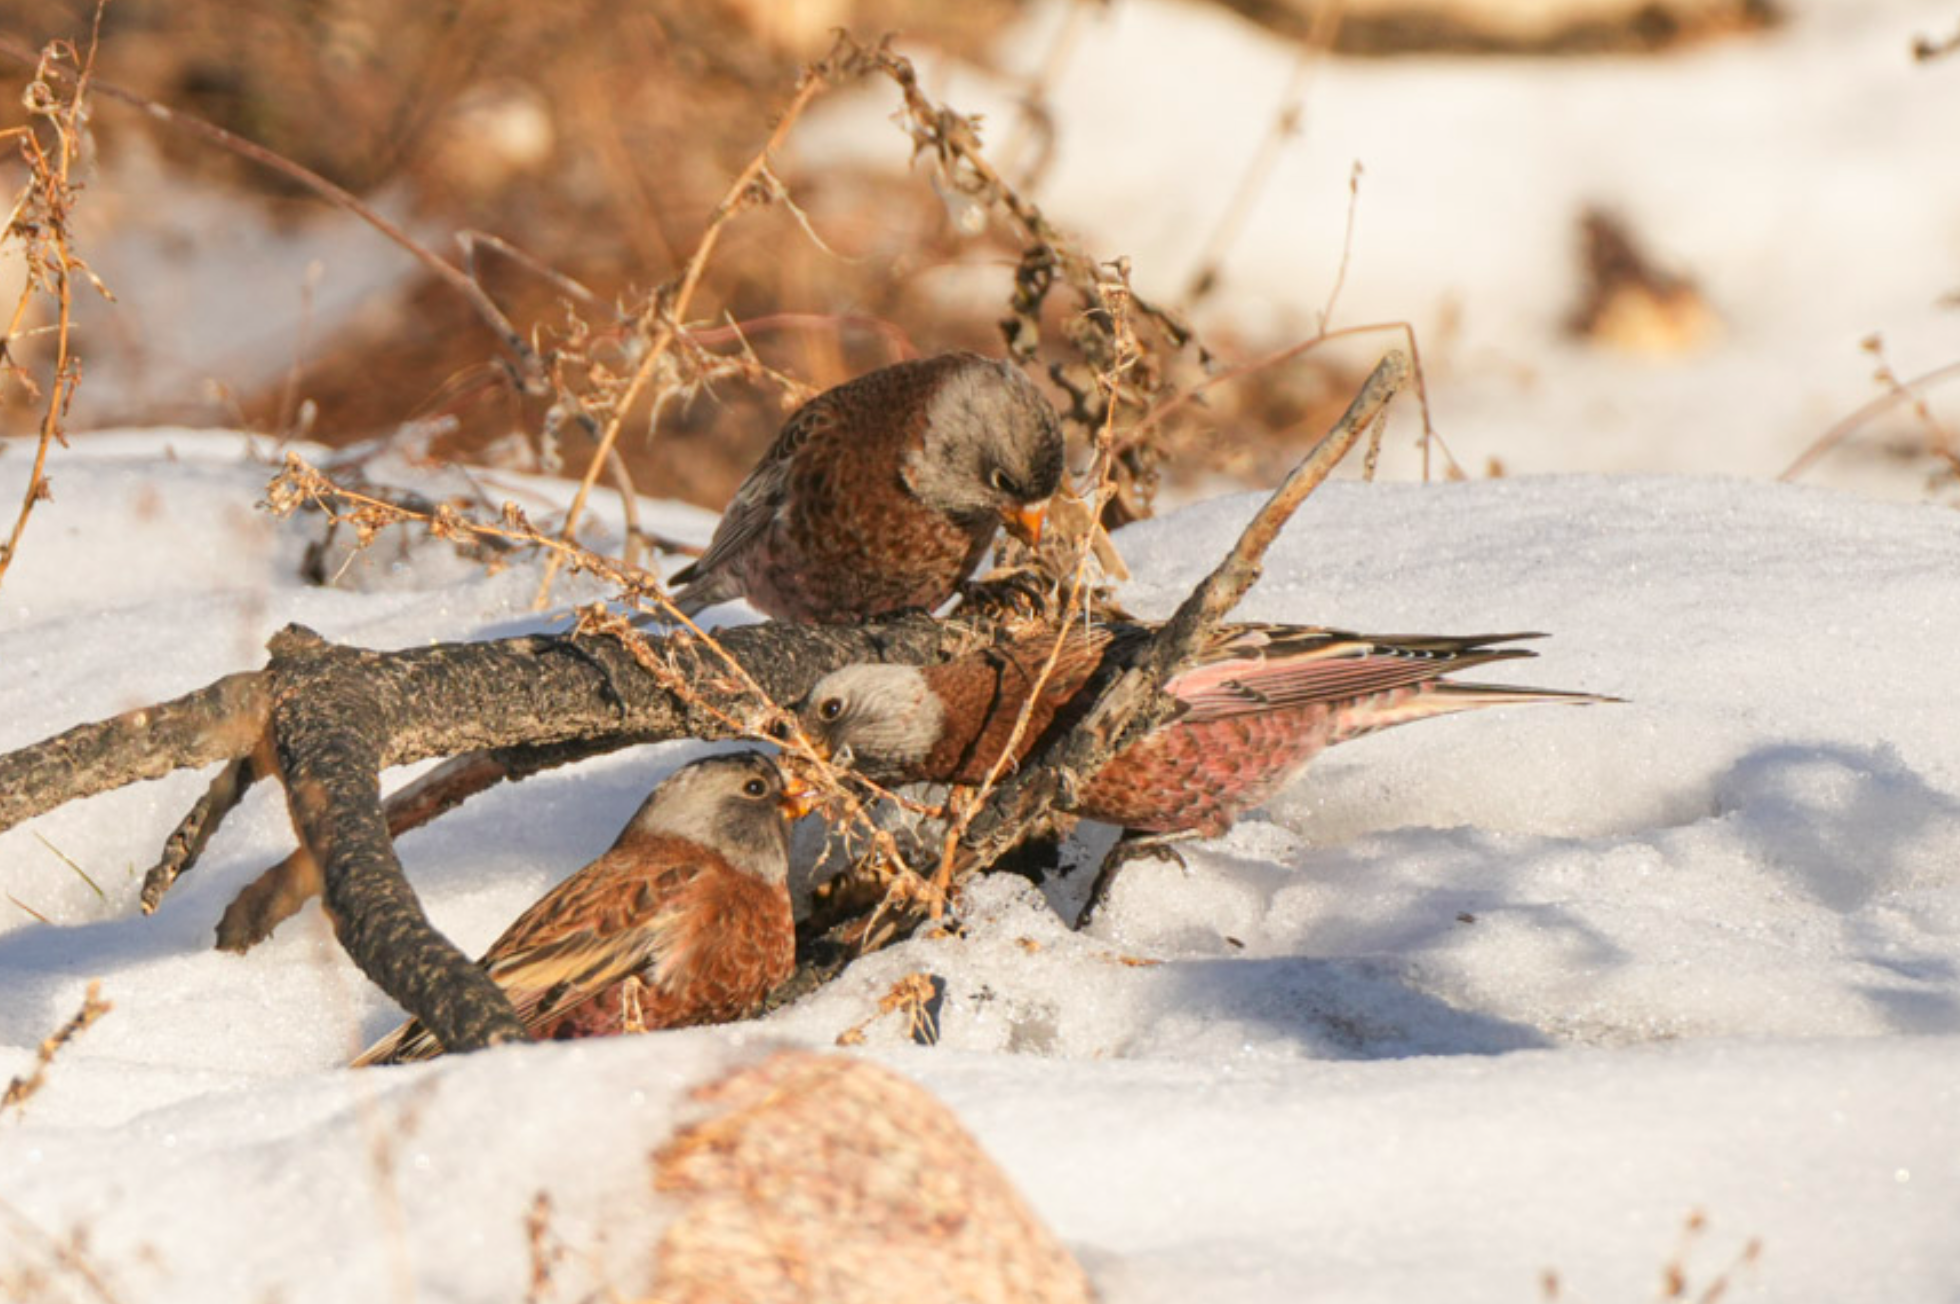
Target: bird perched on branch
x,y
1254,705
883,493
684,921
949,722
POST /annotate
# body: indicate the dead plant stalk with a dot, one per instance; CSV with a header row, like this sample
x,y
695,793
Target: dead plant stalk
x,y
1101,490
22,1089
40,220
671,311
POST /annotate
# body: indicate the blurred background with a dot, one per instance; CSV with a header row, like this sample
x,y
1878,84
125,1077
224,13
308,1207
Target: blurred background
x,y
1629,235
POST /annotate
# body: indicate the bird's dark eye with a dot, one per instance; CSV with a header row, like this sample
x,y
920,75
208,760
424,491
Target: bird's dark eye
x,y
830,708
1004,483
756,788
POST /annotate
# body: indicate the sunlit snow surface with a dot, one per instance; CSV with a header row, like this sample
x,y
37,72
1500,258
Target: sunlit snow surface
x,y
1480,998
1785,173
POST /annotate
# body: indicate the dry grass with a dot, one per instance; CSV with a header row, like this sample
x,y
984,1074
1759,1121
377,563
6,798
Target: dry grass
x,y
591,163
1926,437
1677,1277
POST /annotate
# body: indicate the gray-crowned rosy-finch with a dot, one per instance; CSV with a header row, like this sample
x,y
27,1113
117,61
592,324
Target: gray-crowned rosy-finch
x,y
1255,704
883,493
684,921
950,721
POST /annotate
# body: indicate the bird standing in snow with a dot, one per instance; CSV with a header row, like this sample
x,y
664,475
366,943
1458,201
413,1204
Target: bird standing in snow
x,y
684,921
883,493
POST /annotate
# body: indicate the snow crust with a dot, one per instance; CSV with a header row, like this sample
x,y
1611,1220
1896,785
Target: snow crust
x,y
1477,999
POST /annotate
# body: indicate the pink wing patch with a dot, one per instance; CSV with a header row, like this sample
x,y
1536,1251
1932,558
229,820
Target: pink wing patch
x,y
1259,673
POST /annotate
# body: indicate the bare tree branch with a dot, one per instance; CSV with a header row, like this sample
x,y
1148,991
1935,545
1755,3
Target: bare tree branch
x,y
194,832
337,716
219,722
277,894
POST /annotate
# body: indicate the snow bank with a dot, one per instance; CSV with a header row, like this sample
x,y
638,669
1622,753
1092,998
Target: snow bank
x,y
1479,998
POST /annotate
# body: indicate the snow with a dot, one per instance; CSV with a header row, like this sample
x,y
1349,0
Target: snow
x,y
1478,999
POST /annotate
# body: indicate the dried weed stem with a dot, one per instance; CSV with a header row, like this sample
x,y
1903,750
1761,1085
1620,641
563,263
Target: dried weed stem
x,y
40,221
753,186
1940,442
22,1089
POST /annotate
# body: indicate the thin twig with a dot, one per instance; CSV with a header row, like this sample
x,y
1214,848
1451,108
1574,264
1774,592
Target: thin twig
x,y
1901,391
21,1089
469,238
1209,603
1135,435
901,344
1347,249
32,913
193,833
670,307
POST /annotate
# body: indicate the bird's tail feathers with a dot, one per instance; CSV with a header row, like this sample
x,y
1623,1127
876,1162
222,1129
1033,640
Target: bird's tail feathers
x,y
1446,697
404,1045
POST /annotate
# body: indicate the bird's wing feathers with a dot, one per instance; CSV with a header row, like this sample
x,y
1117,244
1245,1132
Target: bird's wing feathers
x,y
599,927
1260,668
550,980
593,930
756,504
544,982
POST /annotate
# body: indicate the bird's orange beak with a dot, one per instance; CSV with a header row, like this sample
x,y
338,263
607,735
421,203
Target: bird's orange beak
x,y
1024,522
798,798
